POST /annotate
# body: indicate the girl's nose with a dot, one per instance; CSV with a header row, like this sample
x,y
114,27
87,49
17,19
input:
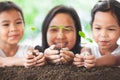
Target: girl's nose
x,y
13,28
103,33
60,34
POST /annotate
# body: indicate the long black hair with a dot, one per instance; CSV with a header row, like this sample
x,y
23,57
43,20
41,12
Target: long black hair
x,y
50,16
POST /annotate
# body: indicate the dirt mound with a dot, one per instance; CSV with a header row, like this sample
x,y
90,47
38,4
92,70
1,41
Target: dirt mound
x,y
59,72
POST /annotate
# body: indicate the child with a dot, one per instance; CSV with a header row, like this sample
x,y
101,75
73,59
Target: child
x,y
106,32
11,31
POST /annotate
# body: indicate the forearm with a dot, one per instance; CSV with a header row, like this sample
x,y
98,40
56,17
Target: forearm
x,y
118,59
11,61
106,60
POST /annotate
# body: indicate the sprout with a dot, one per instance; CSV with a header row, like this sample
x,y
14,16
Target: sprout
x,y
82,34
33,28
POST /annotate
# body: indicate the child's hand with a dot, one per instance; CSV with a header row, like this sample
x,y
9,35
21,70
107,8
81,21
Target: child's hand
x,y
78,60
29,59
89,61
66,56
34,58
40,59
52,55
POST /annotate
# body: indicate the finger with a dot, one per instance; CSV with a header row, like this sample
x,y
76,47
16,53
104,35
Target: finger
x,y
78,56
65,49
78,59
55,61
52,57
63,60
78,64
50,52
89,65
67,54
90,61
40,64
90,57
29,56
40,55
27,65
35,52
52,47
40,60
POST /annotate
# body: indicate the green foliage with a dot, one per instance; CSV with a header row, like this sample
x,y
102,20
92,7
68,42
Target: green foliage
x,y
82,34
33,28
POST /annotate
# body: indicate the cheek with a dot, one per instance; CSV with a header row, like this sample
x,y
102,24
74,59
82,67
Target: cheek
x,y
22,32
72,40
95,36
50,39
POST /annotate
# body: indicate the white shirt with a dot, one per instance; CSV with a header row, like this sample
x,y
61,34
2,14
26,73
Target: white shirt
x,y
95,50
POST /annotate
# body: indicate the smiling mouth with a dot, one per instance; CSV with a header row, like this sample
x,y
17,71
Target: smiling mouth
x,y
13,36
104,42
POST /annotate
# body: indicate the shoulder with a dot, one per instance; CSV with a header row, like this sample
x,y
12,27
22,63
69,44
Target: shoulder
x,y
25,47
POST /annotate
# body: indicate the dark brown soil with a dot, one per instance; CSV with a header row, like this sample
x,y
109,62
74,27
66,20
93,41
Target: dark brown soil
x,y
59,72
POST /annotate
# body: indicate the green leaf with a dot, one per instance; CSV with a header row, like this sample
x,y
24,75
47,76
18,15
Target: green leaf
x,y
53,26
89,40
82,34
33,28
61,27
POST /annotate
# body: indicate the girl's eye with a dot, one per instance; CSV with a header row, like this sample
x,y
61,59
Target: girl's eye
x,y
6,24
97,28
112,29
19,22
53,30
67,29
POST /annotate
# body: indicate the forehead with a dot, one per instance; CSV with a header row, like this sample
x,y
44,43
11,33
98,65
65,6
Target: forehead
x,y
62,19
10,14
105,16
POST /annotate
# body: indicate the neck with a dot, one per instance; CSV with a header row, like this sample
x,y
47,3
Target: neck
x,y
9,50
105,51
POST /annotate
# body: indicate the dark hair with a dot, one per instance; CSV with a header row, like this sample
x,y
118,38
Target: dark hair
x,y
106,6
8,5
50,16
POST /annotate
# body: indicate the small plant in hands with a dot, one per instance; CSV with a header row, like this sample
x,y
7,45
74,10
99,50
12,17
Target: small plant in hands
x,y
32,30
86,39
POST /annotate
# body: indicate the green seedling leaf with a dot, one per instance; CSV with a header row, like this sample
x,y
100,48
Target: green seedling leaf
x,y
33,28
89,40
53,26
82,34
61,27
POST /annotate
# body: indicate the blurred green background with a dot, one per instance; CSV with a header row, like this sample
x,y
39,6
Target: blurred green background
x,y
36,10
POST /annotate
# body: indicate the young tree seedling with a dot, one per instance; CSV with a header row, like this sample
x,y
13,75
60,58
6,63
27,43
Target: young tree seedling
x,y
32,30
86,39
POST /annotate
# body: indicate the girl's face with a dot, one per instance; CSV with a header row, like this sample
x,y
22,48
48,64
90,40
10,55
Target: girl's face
x,y
11,27
64,36
106,30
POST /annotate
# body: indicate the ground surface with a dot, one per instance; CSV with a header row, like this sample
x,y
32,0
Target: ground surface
x,y
59,72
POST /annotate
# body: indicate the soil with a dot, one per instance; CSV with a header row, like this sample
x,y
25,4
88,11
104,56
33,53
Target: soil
x,y
59,72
